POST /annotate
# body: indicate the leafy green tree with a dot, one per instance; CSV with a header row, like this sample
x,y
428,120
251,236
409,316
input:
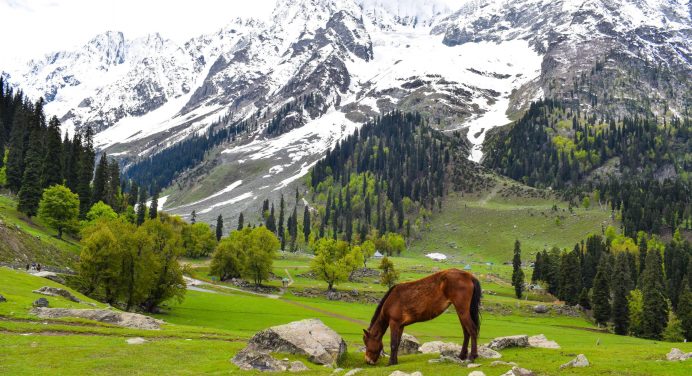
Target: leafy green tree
x,y
621,285
600,300
674,331
389,275
59,208
198,240
635,306
230,255
517,272
368,249
261,252
332,262
167,248
655,305
100,210
100,263
3,169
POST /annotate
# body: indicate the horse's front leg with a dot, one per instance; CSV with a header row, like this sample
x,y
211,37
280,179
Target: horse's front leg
x,y
396,331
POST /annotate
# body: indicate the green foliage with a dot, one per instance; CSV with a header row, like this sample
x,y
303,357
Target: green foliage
x,y
368,250
30,193
59,209
685,311
600,301
621,285
570,277
261,251
3,169
389,275
198,240
333,261
230,255
655,305
635,306
100,210
219,227
674,331
517,272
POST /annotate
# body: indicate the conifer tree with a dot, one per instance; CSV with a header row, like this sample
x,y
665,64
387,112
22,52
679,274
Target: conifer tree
x,y
100,181
241,221
517,272
281,228
271,220
685,309
193,217
219,227
86,172
584,298
601,293
655,305
142,207
15,158
133,195
621,286
154,206
30,192
306,223
52,162
113,194
537,268
570,282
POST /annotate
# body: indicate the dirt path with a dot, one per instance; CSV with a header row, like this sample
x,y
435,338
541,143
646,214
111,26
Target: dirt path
x,y
197,285
491,195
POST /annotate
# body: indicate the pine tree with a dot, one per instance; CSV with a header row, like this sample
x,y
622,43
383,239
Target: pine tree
x,y
622,284
219,227
537,268
685,309
584,298
154,206
30,193
52,162
306,223
142,207
655,310
271,220
98,192
193,217
517,272
15,158
601,293
133,195
570,281
86,172
281,228
241,221
113,193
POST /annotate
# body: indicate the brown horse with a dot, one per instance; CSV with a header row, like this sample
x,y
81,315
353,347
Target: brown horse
x,y
423,300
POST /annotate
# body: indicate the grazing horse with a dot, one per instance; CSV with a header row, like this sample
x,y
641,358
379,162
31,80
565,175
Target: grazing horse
x,y
423,300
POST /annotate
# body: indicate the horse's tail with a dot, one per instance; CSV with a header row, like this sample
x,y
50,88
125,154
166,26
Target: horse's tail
x,y
475,304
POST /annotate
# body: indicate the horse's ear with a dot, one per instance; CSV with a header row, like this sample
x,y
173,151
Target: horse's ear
x,y
367,334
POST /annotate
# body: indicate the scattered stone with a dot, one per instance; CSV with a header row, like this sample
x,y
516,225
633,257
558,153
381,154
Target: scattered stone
x,y
676,354
438,346
55,291
541,308
310,338
542,342
518,371
338,370
487,353
448,359
500,343
501,363
297,366
578,362
41,303
353,371
124,319
477,373
51,276
408,345
473,365
2,299
399,373
249,359
136,341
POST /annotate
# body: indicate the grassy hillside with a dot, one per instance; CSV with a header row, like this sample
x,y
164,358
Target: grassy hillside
x,y
25,241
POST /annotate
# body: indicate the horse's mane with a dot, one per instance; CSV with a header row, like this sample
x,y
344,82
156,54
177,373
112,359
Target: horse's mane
x,y
379,306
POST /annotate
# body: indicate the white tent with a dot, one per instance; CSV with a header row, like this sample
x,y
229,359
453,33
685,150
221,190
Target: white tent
x,y
377,255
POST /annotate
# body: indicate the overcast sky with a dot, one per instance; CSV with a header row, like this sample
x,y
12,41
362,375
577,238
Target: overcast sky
x,y
31,28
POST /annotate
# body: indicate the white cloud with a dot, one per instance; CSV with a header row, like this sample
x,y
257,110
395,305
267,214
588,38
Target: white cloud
x,y
30,28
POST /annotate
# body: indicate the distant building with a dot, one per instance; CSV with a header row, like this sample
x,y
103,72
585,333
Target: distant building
x,y
378,255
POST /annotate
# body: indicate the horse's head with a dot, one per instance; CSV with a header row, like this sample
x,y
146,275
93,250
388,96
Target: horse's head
x,y
373,347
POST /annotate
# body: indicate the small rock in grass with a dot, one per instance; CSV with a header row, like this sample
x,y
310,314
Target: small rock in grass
x,y
518,371
501,363
541,308
337,370
676,354
399,373
438,347
487,353
477,373
136,341
408,345
297,366
542,342
41,302
578,362
500,343
353,371
473,365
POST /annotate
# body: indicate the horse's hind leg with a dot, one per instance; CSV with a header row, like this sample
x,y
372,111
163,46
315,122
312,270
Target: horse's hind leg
x,y
395,331
465,347
469,331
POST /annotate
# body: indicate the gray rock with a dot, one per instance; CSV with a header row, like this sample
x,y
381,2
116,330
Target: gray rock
x,y
353,372
408,345
249,359
438,347
676,354
2,299
51,276
542,342
487,353
124,319
518,371
578,362
136,341
501,363
448,359
541,308
399,373
58,292
310,338
41,302
297,366
473,365
500,343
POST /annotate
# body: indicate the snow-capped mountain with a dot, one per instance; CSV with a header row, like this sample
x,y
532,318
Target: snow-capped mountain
x,y
465,67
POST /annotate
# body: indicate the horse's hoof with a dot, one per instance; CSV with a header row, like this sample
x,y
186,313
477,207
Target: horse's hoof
x,y
393,363
462,356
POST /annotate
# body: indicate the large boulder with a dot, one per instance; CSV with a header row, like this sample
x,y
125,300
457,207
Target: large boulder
x,y
310,338
41,303
55,291
439,347
408,345
676,354
124,319
578,362
500,343
542,342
